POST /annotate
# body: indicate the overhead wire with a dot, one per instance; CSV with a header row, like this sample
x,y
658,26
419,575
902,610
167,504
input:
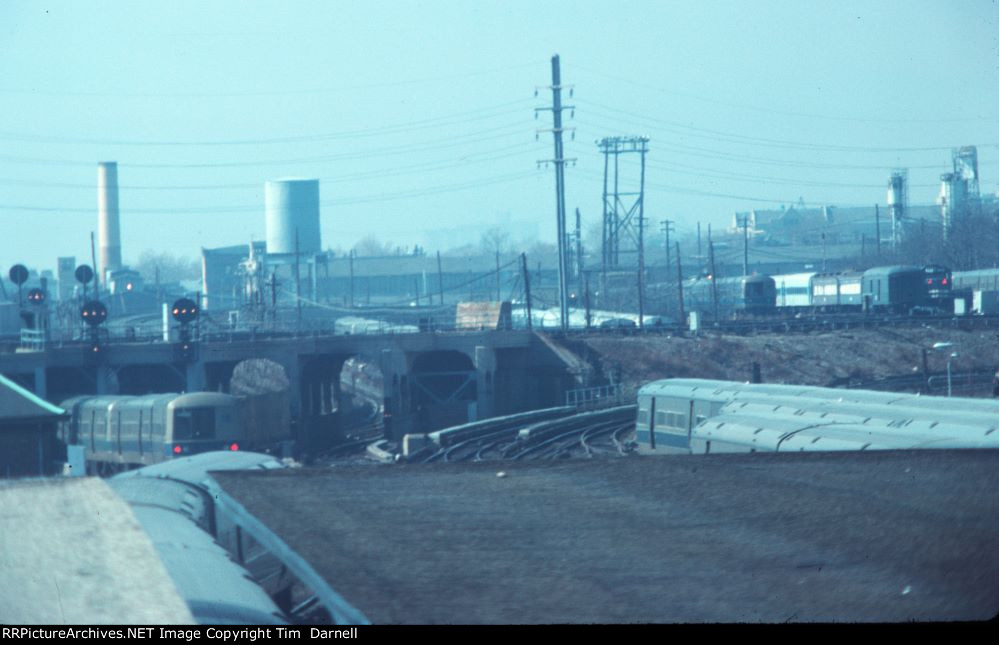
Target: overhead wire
x,y
756,108
395,128
257,92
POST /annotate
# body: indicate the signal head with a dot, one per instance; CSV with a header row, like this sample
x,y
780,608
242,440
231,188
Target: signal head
x,y
184,311
94,313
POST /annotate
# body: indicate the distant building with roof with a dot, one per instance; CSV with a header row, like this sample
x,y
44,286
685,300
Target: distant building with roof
x,y
832,225
28,443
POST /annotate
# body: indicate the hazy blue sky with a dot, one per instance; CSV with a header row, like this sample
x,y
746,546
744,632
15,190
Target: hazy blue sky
x,y
420,115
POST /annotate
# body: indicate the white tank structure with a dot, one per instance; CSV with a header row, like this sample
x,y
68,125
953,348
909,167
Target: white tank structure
x,y
292,205
108,231
898,201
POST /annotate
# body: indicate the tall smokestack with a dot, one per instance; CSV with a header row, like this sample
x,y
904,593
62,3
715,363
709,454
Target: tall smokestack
x,y
108,233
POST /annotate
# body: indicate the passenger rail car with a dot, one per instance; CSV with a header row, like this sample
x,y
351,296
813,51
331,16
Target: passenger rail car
x,y
743,296
118,432
694,416
835,292
204,550
984,279
895,289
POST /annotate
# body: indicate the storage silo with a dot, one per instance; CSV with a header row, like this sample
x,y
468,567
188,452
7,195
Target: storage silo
x,y
292,205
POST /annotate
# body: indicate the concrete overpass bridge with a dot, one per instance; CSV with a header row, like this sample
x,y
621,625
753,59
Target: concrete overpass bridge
x,y
431,380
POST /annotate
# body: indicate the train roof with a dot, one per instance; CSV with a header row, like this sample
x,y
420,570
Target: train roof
x,y
217,590
195,469
892,270
203,398
73,553
729,390
805,276
773,433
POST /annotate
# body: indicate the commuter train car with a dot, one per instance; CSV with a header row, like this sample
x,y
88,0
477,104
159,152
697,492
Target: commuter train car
x,y
985,279
837,291
896,288
356,325
748,295
695,416
793,289
119,432
224,575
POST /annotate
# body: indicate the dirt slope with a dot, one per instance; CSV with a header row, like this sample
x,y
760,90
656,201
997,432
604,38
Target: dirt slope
x,y
809,359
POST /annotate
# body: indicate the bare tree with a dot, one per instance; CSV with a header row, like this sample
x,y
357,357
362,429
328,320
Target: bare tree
x,y
371,246
171,268
494,240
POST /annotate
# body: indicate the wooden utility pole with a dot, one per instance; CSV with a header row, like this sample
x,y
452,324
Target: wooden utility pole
x,y
97,276
745,245
274,296
714,278
559,161
440,278
499,296
298,289
586,298
351,258
665,225
679,285
641,264
877,228
527,288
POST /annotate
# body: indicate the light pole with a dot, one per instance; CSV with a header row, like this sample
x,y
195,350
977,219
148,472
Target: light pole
x,y
950,358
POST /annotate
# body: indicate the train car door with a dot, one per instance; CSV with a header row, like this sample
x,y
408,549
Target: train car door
x,y
652,424
690,423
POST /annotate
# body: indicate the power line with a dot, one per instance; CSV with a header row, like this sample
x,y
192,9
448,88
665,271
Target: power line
x,y
406,126
457,141
328,90
731,137
431,166
698,151
744,106
363,199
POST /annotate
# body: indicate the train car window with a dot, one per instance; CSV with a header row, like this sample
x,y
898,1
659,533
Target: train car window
x,y
643,416
194,423
661,419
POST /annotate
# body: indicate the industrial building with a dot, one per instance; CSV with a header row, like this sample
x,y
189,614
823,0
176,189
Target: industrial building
x,y
28,445
886,225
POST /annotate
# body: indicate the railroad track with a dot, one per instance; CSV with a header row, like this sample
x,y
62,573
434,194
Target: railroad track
x,y
578,434
525,437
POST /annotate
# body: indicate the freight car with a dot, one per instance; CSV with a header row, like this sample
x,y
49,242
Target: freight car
x,y
121,432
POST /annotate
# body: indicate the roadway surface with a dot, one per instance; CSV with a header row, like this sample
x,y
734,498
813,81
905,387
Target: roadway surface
x,y
844,536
